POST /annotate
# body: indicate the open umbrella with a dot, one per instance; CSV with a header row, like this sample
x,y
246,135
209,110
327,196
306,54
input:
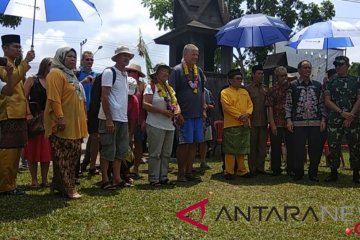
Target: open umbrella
x,y
253,30
325,35
49,10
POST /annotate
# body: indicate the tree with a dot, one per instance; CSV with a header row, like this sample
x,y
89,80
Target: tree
x,y
9,21
354,69
295,13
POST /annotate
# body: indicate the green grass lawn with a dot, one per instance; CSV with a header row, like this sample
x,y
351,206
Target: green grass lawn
x,y
143,212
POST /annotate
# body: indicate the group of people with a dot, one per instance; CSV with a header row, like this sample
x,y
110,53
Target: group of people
x,y
302,114
62,99
118,110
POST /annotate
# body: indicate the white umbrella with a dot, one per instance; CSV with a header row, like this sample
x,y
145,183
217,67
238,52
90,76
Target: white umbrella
x,y
325,35
49,10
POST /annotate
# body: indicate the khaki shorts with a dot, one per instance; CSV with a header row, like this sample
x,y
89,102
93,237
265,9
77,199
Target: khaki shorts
x,y
114,145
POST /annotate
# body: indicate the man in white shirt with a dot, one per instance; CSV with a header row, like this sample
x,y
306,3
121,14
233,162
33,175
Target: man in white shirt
x,y
113,122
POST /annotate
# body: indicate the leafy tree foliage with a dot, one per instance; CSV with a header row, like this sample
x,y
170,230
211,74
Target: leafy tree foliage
x,y
354,69
295,13
9,21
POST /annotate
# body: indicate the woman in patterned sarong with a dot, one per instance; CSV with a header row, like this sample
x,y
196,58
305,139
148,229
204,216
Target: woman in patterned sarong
x,y
237,107
65,120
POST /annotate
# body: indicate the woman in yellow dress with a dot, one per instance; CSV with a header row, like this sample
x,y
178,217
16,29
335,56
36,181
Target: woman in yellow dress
x,y
65,120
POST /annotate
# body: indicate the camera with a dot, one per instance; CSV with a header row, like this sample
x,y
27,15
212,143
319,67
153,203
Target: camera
x,y
3,61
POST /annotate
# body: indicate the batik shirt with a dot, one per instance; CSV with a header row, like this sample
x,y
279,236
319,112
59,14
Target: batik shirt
x,y
276,99
305,103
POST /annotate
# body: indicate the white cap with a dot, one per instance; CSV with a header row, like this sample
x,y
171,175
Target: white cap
x,y
132,85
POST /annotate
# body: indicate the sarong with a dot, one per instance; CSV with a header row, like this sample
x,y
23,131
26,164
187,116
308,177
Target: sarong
x,y
13,133
236,140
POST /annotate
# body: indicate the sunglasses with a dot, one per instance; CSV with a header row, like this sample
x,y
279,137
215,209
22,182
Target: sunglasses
x,y
339,64
89,59
132,71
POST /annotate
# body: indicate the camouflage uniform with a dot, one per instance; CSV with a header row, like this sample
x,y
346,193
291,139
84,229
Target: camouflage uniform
x,y
343,92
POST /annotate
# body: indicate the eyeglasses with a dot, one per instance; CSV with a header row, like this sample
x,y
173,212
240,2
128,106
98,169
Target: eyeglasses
x,y
89,59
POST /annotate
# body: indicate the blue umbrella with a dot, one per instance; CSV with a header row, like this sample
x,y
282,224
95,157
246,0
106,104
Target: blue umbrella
x,y
49,10
325,35
254,30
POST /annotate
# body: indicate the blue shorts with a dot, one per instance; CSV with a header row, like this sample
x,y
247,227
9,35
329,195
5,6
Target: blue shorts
x,y
192,131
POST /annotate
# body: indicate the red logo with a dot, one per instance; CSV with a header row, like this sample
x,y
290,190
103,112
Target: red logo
x,y
181,214
356,230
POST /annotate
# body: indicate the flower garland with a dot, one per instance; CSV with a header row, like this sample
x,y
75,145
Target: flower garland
x,y
192,84
164,93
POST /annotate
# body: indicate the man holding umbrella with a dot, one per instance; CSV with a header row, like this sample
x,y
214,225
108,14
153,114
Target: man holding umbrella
x,y
342,97
12,116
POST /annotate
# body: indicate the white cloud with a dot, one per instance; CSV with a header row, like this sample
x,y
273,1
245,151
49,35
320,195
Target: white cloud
x,y
121,21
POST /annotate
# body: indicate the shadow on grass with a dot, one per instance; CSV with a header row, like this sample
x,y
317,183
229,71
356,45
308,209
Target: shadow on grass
x,y
345,181
97,191
148,187
30,206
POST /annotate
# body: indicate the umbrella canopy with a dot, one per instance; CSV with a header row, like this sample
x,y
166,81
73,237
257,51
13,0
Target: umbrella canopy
x,y
253,30
325,35
49,10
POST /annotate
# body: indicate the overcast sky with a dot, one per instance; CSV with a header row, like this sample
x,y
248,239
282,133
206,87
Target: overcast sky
x,y
120,25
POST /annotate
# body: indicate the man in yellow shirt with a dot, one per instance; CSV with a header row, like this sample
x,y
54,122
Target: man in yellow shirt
x,y
237,107
12,115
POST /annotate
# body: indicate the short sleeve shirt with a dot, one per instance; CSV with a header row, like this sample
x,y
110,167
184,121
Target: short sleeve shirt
x,y
158,120
191,104
118,97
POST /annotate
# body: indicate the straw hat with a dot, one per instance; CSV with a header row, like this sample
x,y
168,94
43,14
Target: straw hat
x,y
122,49
135,67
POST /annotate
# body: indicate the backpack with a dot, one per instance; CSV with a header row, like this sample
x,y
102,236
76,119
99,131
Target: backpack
x,y
95,94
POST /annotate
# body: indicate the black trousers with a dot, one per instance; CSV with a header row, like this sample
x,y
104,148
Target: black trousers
x,y
314,138
276,141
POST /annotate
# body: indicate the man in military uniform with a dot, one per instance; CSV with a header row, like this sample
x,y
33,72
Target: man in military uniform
x,y
342,97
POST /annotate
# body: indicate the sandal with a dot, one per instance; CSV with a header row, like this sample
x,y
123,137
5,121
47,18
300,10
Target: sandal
x,y
121,185
106,186
44,185
167,182
94,172
35,186
155,184
15,192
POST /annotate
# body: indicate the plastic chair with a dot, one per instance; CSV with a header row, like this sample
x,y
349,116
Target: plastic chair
x,y
219,126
